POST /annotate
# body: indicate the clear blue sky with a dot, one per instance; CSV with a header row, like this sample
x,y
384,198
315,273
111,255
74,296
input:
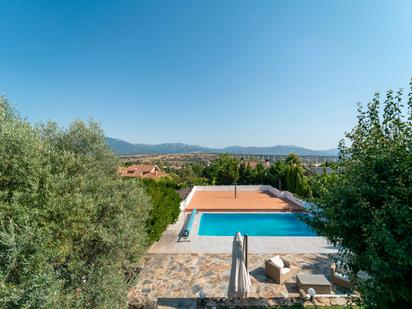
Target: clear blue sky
x,y
213,73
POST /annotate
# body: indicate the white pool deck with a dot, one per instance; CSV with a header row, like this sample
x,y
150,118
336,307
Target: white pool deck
x,y
222,244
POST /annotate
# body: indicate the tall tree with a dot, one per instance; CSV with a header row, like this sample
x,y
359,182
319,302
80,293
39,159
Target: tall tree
x,y
366,210
295,180
259,174
71,231
225,170
276,175
289,174
243,173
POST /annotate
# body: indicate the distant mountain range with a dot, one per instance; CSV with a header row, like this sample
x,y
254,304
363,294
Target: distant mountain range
x,y
125,148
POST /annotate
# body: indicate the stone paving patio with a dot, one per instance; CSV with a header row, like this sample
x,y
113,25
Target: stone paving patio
x,y
173,277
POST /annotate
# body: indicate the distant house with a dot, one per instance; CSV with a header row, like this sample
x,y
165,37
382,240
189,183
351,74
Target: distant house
x,y
142,171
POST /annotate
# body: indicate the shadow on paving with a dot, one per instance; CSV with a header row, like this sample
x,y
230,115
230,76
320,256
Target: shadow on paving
x,y
181,303
260,275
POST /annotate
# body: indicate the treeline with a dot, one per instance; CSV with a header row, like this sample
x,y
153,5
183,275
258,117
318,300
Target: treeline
x,y
289,174
71,231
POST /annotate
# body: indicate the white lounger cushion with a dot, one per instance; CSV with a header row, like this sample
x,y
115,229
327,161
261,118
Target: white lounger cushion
x,y
278,261
284,270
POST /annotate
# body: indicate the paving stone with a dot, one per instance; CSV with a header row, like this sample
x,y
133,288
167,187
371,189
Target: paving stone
x,y
179,277
196,288
338,301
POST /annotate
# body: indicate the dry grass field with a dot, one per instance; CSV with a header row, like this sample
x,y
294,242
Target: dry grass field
x,y
172,160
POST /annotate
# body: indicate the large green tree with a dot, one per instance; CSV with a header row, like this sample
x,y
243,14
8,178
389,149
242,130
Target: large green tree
x,y
295,178
224,170
290,175
276,174
259,174
366,208
71,231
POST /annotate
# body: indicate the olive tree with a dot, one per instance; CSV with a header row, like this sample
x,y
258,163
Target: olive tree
x,y
71,231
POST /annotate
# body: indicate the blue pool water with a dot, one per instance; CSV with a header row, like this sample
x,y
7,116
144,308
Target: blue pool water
x,y
265,224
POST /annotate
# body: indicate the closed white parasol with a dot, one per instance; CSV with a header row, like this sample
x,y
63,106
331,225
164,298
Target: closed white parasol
x,y
239,283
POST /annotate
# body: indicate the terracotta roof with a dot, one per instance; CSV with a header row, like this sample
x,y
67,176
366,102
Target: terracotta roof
x,y
142,171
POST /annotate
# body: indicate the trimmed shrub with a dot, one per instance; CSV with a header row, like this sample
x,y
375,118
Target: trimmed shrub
x,y
165,208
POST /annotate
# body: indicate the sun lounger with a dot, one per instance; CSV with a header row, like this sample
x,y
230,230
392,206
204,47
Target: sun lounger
x,y
276,271
340,279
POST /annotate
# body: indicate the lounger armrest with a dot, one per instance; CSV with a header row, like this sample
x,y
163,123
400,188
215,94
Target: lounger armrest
x,y
273,271
286,262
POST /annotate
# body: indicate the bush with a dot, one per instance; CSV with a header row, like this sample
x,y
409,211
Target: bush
x,y
70,229
165,202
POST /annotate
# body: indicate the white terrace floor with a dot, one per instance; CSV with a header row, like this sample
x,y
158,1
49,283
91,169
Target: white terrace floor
x,y
221,244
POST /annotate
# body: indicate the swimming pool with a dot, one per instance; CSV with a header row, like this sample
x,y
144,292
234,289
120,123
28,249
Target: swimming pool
x,y
253,224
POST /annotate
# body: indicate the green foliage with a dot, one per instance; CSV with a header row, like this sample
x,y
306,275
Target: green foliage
x,y
367,210
259,173
70,229
167,182
245,173
289,174
224,170
252,176
320,183
286,174
330,164
191,175
276,175
295,180
165,208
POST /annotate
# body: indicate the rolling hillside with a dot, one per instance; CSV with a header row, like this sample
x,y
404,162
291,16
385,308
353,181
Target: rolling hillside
x,y
125,148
